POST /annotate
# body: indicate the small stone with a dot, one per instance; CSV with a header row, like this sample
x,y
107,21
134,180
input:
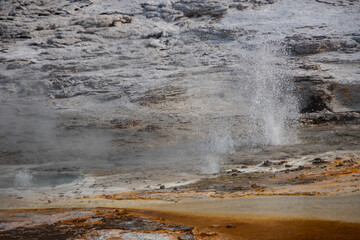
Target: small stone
x,y
357,39
300,167
208,234
162,186
230,226
318,161
266,164
186,237
215,226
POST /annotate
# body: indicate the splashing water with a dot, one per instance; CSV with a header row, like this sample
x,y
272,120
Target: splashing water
x,y
211,150
272,105
264,99
23,178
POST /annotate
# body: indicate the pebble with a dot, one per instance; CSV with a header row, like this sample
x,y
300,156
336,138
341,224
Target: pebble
x,y
230,226
215,226
318,161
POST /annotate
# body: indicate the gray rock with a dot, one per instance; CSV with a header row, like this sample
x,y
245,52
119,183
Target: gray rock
x,y
318,100
337,3
216,34
186,237
330,117
197,8
10,31
159,95
163,11
266,164
357,39
246,4
319,161
102,21
300,44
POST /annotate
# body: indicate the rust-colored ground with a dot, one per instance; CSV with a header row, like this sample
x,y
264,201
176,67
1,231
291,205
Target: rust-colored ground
x,y
102,223
210,208
330,177
120,224
294,229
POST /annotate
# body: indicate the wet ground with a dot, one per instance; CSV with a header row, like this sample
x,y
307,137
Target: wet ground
x,y
98,223
110,223
323,154
311,186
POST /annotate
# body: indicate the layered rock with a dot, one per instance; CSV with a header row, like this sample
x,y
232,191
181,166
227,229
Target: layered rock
x,y
305,44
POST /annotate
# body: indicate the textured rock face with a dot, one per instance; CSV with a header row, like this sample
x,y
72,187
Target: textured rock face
x,y
150,73
304,44
102,21
197,8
